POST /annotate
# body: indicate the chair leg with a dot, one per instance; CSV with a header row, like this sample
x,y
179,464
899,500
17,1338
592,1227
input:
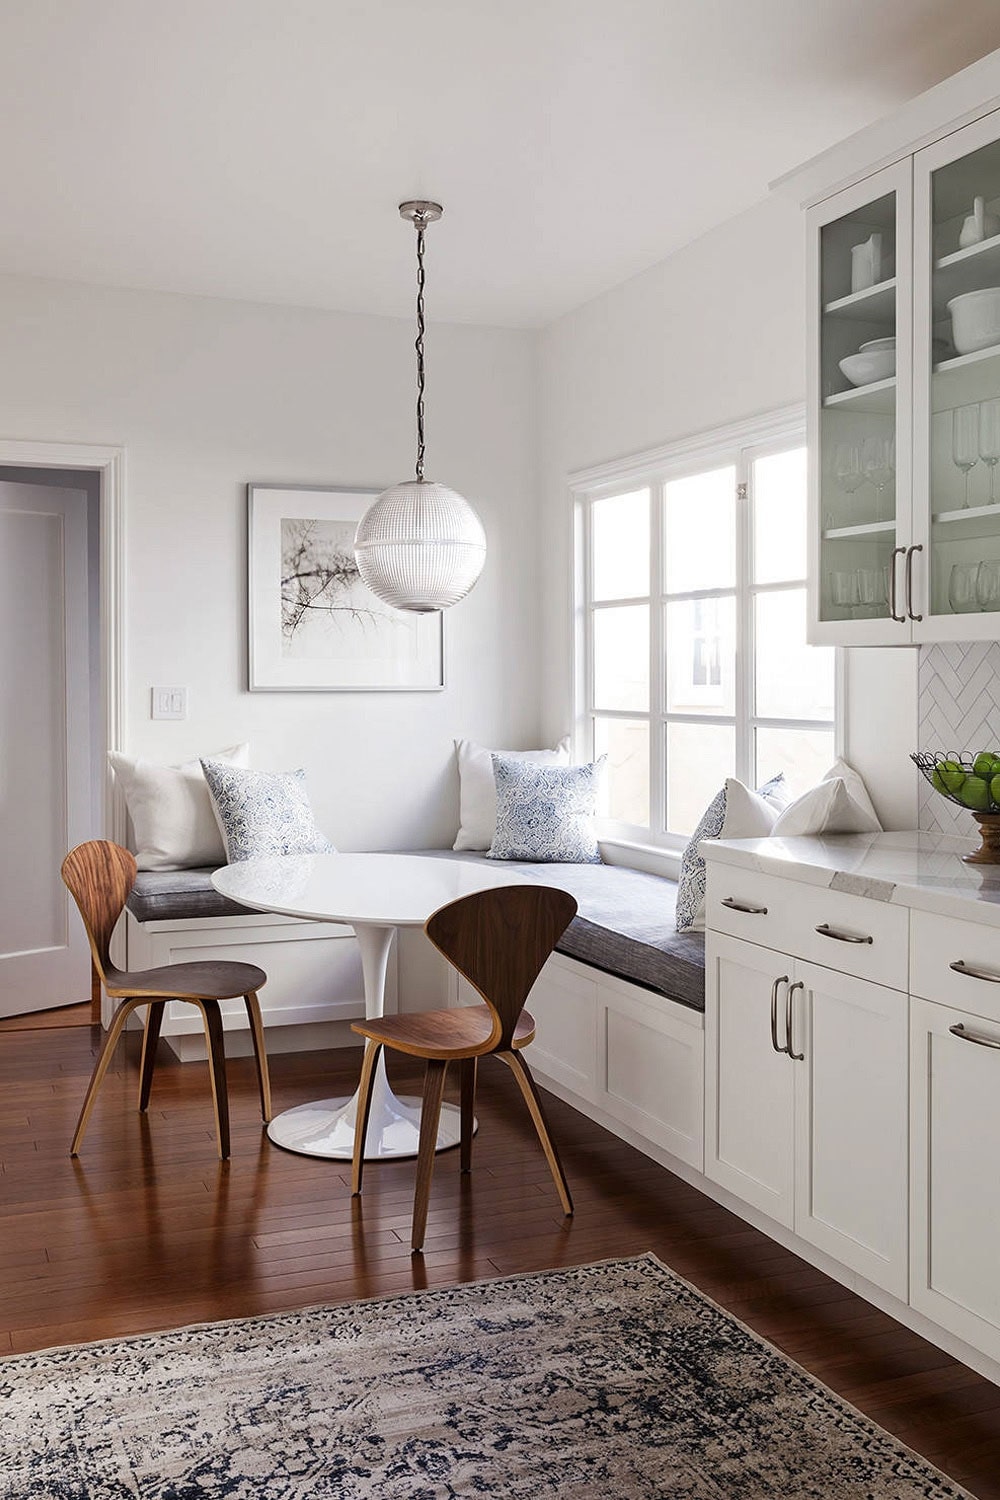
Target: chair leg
x,y
467,1078
150,1038
372,1050
217,1071
257,1033
430,1115
532,1099
118,1020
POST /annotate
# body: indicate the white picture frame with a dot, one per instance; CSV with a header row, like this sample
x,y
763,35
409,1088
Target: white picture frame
x,y
313,625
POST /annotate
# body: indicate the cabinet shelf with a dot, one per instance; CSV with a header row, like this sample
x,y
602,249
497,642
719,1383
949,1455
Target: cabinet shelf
x,y
961,379
967,524
868,528
966,271
876,304
879,396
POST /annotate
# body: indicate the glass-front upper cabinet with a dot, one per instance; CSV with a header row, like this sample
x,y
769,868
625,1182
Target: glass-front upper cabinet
x,y
859,411
956,412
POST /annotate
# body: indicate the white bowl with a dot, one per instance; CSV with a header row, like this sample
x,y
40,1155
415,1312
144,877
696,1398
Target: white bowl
x,y
871,364
975,319
874,344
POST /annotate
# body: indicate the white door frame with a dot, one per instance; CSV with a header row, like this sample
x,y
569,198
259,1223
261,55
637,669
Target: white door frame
x,y
109,463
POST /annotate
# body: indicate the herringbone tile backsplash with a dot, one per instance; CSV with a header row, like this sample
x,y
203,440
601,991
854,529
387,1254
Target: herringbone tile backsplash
x,y
958,688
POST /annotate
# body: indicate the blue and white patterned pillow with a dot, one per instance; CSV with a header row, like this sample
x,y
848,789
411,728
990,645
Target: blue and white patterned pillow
x,y
545,813
263,812
691,884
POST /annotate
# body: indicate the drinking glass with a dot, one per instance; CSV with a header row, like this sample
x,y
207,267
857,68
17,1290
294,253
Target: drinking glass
x,y
962,581
878,460
988,585
872,591
847,467
989,441
965,442
844,591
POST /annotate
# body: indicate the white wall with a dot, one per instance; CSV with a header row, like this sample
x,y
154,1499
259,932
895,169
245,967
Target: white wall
x,y
712,335
206,395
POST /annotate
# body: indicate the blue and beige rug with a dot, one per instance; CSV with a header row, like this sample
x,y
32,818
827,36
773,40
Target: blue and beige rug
x,y
614,1381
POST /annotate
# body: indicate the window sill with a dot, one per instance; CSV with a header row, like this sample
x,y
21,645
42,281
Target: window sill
x,y
648,857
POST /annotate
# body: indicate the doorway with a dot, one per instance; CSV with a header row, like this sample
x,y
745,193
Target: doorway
x,y
54,719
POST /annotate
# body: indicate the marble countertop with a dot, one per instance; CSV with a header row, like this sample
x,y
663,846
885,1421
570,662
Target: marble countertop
x,y
923,871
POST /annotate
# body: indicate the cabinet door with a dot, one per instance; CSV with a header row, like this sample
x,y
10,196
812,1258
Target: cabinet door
x,y
956,411
749,1120
851,1122
859,410
955,1201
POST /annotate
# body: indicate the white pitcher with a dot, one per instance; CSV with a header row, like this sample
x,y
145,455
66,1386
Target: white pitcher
x,y
866,263
978,226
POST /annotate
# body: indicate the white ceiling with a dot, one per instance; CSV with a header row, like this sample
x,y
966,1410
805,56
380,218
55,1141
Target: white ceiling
x,y
258,148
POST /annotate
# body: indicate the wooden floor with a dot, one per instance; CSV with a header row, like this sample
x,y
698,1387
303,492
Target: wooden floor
x,y
149,1230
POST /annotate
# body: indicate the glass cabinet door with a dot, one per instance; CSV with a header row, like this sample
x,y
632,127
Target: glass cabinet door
x,y
957,384
859,411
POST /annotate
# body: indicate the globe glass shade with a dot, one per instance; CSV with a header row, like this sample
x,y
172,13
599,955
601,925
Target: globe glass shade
x,y
420,546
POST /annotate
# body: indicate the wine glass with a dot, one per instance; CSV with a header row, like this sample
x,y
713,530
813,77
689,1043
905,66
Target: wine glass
x,y
965,442
988,585
878,462
847,467
989,441
872,591
962,588
844,591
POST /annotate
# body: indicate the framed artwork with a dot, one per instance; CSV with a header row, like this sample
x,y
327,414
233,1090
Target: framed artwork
x,y
313,625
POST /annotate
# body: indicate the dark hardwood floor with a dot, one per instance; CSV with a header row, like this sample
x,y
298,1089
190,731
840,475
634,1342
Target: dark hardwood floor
x,y
149,1230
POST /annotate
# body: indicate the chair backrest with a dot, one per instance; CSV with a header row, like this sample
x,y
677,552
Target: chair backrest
x,y
99,876
498,940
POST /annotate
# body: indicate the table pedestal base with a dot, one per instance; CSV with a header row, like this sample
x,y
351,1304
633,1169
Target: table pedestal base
x,y
327,1127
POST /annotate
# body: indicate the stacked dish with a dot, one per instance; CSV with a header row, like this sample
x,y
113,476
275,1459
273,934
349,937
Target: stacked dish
x,y
875,360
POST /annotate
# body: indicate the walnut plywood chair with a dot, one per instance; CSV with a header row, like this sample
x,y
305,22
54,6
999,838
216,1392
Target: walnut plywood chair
x,y
498,940
100,876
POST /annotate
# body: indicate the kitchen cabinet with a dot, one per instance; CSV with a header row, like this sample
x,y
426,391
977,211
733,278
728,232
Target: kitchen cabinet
x,y
806,1102
904,457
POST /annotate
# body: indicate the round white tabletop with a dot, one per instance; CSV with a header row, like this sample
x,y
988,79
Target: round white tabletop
x,y
374,894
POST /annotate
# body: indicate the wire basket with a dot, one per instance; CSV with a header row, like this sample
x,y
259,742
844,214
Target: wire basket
x,y
953,774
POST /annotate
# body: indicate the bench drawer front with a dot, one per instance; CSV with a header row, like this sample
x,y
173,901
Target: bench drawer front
x,y
938,942
852,934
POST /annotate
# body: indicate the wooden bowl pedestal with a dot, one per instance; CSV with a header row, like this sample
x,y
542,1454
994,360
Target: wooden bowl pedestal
x,y
988,852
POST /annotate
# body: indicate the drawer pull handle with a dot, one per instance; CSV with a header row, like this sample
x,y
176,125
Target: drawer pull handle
x,y
961,967
970,1036
825,930
774,1014
796,1056
751,911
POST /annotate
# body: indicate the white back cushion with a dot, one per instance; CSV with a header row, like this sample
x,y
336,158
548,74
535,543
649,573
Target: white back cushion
x,y
173,820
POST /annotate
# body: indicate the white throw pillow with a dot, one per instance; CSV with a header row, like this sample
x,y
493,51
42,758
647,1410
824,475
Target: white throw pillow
x,y
839,804
173,821
477,788
734,813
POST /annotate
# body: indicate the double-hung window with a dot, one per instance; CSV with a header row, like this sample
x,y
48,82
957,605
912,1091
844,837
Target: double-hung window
x,y
692,661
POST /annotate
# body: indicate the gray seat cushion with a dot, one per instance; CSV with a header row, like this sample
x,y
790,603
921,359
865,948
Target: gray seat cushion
x,y
176,895
624,926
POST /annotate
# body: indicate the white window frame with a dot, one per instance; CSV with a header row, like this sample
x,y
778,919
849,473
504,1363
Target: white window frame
x,y
739,446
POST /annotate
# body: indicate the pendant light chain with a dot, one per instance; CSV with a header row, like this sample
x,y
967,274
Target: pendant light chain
x,y
419,346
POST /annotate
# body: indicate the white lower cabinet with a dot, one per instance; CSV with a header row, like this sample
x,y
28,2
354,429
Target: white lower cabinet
x,y
806,1102
955,1203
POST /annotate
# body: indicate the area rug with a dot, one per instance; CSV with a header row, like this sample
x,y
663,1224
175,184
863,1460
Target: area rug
x,y
604,1382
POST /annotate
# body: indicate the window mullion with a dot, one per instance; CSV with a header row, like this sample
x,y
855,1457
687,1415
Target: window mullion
x,y
744,621
657,730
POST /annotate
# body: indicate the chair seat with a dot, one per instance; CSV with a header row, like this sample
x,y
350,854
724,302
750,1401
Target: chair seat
x,y
442,1033
198,981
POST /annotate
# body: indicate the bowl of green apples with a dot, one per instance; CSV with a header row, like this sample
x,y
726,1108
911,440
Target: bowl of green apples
x,y
971,781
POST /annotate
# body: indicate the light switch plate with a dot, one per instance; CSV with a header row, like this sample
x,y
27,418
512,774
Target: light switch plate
x,y
168,703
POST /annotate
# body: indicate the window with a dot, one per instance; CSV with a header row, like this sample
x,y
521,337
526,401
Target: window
x,y
692,633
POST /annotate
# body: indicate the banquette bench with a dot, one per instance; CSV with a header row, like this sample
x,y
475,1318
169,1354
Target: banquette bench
x,y
619,1006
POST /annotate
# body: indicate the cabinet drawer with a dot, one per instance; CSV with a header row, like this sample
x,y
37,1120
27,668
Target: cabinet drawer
x,y
852,934
936,943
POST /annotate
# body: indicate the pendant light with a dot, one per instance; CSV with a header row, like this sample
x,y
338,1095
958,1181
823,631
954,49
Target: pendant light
x,y
420,546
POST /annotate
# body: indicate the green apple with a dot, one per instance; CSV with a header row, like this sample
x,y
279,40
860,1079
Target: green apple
x,y
975,793
995,790
953,777
985,764
939,785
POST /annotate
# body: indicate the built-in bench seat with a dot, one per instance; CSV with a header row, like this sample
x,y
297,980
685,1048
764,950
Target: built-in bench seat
x,y
619,1005
624,925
